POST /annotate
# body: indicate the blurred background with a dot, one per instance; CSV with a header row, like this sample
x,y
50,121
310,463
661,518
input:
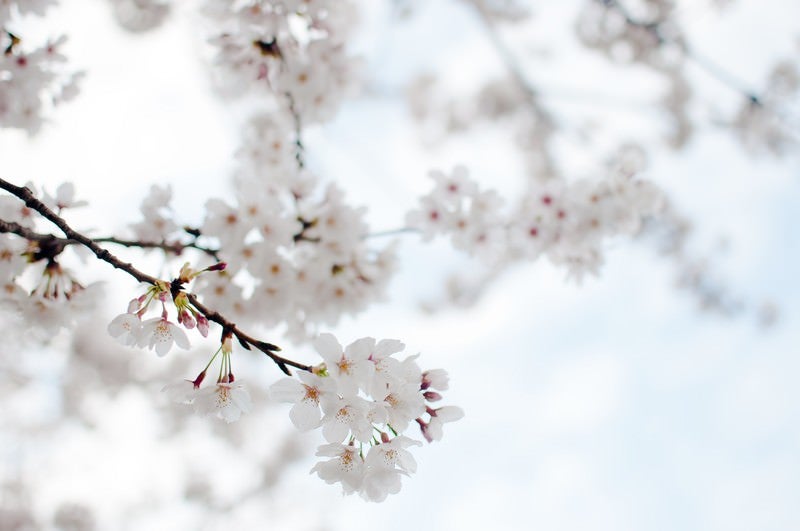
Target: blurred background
x,y
640,399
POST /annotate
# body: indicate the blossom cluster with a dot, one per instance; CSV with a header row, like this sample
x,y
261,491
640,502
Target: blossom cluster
x,y
364,400
34,285
159,333
226,400
292,48
763,123
568,223
32,79
296,251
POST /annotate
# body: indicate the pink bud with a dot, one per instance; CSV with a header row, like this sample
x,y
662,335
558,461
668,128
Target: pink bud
x,y
385,437
432,396
185,318
424,428
202,324
197,381
220,266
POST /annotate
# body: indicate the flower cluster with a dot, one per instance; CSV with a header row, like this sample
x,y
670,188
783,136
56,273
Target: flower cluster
x,y
159,333
291,48
762,123
296,250
226,400
364,399
31,80
33,283
566,222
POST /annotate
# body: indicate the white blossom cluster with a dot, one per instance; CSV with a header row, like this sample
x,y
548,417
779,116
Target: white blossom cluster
x,y
629,31
644,32
364,399
306,255
159,333
296,251
294,49
768,123
568,223
40,292
32,79
225,400
9,9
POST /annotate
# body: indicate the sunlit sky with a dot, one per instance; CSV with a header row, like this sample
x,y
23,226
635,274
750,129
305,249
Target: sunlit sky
x,y
613,405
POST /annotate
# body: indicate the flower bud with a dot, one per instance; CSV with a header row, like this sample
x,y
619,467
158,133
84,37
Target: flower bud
x,y
197,381
186,319
432,396
219,266
202,324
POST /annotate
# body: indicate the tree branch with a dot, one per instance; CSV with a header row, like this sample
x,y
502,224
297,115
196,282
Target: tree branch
x,y
72,236
710,67
175,248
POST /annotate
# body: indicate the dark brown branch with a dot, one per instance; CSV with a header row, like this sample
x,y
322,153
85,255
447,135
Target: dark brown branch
x,y
175,248
247,341
244,339
25,195
15,228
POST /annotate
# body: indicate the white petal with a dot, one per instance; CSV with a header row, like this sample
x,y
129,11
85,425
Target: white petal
x,y
180,337
328,347
305,415
360,349
334,432
287,390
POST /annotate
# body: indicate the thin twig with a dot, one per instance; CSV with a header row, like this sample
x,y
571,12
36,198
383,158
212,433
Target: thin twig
x,y
706,64
299,152
175,248
392,232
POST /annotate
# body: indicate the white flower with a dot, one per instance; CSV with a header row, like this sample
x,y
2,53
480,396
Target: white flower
x,y
126,328
346,415
346,467
226,401
64,198
157,224
432,431
351,368
385,463
305,413
386,367
404,403
378,483
393,454
159,334
183,392
435,379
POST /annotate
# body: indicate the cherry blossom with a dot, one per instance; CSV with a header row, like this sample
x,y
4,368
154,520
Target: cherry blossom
x,y
224,400
368,398
159,334
306,395
126,328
